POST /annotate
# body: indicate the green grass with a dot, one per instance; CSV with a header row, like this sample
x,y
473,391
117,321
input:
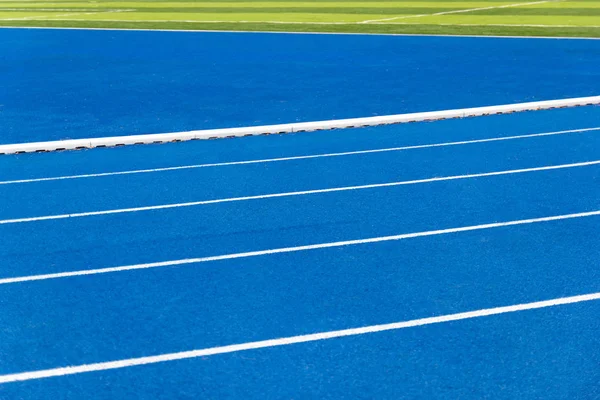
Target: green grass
x,y
483,17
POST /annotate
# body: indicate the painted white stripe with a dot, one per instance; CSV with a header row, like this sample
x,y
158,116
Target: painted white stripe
x,y
211,351
459,11
509,25
57,17
316,23
294,158
35,9
205,21
258,253
295,127
502,37
290,194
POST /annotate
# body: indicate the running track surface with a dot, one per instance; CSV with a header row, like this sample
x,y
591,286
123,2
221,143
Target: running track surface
x,y
59,84
545,353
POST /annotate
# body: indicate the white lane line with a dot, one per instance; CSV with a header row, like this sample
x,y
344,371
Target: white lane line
x,y
306,157
320,33
290,194
502,37
258,253
459,11
211,351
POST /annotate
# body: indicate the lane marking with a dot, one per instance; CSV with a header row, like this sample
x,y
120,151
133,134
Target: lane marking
x,y
324,33
460,11
258,253
291,194
211,351
294,158
74,144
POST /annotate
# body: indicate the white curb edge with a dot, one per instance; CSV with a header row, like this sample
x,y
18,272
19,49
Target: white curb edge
x,y
292,127
75,28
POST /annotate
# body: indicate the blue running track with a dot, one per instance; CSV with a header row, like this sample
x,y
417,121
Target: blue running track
x,y
60,306
59,84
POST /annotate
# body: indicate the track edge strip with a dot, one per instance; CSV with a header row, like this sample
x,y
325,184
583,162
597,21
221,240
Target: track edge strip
x,y
76,144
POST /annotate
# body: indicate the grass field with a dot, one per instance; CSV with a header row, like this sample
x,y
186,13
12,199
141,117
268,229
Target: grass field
x,y
514,17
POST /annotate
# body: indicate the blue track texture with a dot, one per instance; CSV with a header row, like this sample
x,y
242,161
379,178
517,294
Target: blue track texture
x,y
59,84
550,353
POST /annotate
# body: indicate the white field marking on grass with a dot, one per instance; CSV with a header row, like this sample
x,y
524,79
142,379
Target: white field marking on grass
x,y
291,194
52,17
294,158
73,28
52,9
315,23
313,337
509,25
459,11
74,144
187,261
312,23
211,21
307,23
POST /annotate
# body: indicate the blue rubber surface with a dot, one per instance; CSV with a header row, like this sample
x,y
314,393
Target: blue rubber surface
x,y
545,353
59,84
